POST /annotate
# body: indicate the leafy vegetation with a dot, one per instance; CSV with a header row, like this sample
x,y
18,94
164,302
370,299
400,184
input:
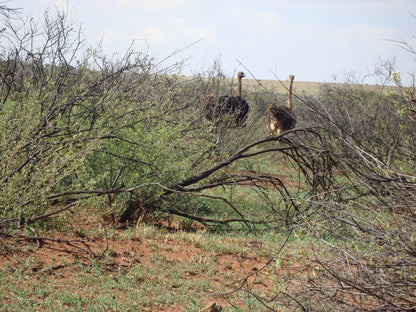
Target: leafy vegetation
x,y
327,210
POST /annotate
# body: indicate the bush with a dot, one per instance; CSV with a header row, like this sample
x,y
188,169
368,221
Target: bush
x,y
75,127
78,124
360,225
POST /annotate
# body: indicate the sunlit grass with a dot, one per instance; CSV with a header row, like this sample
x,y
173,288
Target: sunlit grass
x,y
161,282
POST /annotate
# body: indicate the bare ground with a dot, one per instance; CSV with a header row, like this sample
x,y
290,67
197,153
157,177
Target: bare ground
x,y
54,254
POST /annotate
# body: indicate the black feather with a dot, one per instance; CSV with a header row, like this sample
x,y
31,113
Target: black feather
x,y
234,106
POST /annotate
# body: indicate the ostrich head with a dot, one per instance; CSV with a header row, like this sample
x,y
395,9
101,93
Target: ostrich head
x,y
240,75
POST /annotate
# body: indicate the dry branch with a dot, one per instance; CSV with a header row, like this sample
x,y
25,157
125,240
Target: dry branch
x,y
242,153
305,156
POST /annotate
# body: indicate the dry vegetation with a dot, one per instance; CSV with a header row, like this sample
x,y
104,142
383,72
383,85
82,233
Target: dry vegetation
x,y
115,194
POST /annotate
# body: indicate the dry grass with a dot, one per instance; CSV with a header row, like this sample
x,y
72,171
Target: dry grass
x,y
299,87
144,268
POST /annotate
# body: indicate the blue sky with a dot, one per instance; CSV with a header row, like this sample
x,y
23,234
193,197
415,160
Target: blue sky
x,y
316,40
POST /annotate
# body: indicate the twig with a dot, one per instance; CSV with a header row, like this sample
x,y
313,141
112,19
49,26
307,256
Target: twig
x,y
238,155
53,239
35,238
46,215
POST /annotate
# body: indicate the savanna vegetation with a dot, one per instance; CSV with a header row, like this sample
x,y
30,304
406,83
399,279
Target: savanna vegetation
x,y
325,211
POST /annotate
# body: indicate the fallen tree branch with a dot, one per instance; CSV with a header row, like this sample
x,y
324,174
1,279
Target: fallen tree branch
x,y
239,155
244,152
40,239
46,215
36,238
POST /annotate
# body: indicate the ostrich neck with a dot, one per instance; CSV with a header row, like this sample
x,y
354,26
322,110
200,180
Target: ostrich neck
x,y
239,87
289,100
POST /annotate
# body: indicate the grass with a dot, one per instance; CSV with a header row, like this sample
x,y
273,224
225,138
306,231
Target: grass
x,y
159,268
145,269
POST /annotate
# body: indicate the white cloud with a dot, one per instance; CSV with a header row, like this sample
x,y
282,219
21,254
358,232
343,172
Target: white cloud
x,y
263,22
366,37
194,32
341,5
179,33
158,35
248,19
155,5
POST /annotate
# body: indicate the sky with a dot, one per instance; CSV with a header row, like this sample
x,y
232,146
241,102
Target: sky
x,y
316,40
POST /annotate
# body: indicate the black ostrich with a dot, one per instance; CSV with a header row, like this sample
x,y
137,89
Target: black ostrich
x,y
281,118
232,110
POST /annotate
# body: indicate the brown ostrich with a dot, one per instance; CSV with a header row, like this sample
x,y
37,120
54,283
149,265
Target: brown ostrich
x,y
227,107
281,118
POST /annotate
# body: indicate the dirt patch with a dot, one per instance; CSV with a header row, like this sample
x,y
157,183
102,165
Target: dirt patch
x,y
55,254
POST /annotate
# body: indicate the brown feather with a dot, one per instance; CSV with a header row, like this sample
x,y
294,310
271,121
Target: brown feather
x,y
281,118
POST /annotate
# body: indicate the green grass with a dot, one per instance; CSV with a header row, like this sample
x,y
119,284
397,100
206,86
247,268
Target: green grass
x,y
164,281
178,270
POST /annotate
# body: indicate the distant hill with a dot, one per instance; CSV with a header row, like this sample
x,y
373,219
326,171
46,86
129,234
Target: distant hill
x,y
299,87
308,88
